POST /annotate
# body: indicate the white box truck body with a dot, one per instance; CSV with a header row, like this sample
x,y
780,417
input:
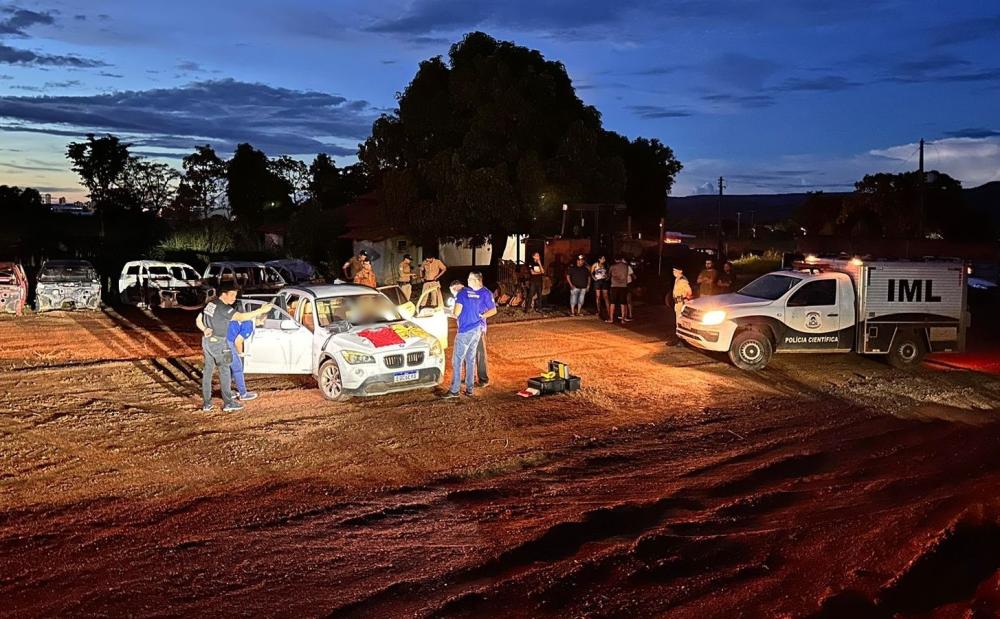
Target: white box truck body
x,y
902,309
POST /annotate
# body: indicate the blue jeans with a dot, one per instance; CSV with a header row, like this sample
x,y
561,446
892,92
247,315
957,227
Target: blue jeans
x,y
576,297
464,351
237,368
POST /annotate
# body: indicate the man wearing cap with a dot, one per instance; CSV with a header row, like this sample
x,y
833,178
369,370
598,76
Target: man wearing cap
x,y
578,278
214,321
405,277
681,293
353,266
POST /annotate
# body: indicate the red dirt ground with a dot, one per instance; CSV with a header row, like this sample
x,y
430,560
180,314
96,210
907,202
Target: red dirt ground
x,y
671,485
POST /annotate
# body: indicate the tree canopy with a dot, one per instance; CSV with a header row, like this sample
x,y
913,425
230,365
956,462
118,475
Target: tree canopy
x,y
494,141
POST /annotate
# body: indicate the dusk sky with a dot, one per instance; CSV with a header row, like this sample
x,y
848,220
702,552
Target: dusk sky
x,y
783,95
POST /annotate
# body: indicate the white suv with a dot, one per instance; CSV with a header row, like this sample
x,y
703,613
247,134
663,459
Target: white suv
x,y
351,338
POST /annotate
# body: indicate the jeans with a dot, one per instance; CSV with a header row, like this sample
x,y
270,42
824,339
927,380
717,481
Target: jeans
x,y
481,369
576,297
464,351
237,367
217,356
534,293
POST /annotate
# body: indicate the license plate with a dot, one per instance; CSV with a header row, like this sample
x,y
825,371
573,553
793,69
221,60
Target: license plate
x,y
405,377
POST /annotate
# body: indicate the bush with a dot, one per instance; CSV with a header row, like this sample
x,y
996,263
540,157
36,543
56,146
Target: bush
x,y
205,239
750,265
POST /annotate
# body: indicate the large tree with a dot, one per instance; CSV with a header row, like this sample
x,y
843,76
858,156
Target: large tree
x,y
489,143
252,186
102,164
203,185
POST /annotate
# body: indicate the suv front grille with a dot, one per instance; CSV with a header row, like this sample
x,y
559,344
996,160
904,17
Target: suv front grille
x,y
393,361
414,358
692,313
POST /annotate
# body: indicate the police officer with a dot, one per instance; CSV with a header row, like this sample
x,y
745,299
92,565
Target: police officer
x,y
214,323
682,292
405,277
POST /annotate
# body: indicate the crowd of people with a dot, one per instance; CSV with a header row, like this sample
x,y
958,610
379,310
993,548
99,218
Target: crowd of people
x,y
359,270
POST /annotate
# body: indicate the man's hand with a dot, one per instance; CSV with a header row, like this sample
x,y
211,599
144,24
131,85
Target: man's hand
x,y
207,332
267,307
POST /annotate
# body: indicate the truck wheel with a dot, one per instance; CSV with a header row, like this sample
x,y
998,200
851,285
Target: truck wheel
x,y
750,350
331,384
907,351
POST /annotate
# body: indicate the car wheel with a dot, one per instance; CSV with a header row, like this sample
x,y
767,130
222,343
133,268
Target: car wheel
x,y
907,351
331,384
751,350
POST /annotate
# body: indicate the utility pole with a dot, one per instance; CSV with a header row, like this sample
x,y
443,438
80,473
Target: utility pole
x,y
721,248
920,180
739,217
753,225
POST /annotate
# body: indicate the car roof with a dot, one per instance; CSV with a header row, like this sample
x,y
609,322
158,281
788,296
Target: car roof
x,y
66,263
332,290
158,263
237,263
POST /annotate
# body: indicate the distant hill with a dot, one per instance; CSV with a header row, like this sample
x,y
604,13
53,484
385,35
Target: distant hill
x,y
768,208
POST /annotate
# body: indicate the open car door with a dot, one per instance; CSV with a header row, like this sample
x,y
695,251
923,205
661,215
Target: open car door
x,y
405,306
278,344
431,315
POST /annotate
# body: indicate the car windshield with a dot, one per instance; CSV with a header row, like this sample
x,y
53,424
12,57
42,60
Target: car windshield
x,y
769,287
67,272
7,276
361,309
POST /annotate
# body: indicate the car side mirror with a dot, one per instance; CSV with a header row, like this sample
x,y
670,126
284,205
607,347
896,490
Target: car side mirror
x,y
289,325
406,310
427,312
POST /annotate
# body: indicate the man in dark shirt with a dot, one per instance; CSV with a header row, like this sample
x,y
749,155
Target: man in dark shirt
x,y
214,323
578,278
618,273
707,279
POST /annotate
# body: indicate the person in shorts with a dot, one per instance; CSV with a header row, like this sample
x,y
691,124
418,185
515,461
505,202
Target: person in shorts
x,y
602,285
578,278
618,274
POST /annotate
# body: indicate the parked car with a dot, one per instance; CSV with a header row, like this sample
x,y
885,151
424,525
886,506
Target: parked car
x,y
293,270
13,288
351,339
249,277
152,283
67,284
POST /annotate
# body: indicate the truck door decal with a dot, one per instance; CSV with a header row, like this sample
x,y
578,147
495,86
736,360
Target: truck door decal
x,y
912,291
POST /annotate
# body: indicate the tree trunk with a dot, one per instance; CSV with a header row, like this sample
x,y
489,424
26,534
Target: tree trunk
x,y
498,242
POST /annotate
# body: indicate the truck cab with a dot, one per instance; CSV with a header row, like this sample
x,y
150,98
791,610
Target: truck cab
x,y
900,309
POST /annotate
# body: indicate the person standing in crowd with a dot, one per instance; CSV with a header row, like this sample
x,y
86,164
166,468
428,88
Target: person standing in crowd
x,y
469,314
618,274
536,272
706,279
724,284
487,309
627,309
599,273
366,275
405,276
578,278
353,266
214,321
681,294
432,269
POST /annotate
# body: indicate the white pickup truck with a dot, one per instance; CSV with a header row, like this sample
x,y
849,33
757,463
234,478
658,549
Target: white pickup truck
x,y
901,309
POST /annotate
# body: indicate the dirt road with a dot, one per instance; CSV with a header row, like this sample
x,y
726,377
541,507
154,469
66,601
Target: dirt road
x,y
672,484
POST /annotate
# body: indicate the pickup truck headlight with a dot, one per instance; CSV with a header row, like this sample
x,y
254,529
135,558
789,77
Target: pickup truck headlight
x,y
355,358
436,350
715,317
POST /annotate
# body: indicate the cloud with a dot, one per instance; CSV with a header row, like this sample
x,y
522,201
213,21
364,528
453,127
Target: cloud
x,y
743,101
10,55
973,133
107,74
967,30
221,112
660,70
826,83
34,168
973,161
427,16
740,70
14,21
652,112
189,66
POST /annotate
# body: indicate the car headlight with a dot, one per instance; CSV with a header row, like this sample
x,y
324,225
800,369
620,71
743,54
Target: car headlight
x,y
715,317
436,350
355,358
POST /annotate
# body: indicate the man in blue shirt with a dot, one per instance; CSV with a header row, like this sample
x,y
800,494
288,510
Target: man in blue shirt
x,y
471,310
241,331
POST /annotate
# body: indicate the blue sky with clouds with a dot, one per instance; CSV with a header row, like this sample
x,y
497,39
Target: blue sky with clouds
x,y
780,95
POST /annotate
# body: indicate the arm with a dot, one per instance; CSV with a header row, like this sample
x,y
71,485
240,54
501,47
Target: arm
x,y
489,313
200,323
260,311
457,311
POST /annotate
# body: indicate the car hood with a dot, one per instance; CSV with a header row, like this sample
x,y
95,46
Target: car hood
x,y
382,337
733,300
